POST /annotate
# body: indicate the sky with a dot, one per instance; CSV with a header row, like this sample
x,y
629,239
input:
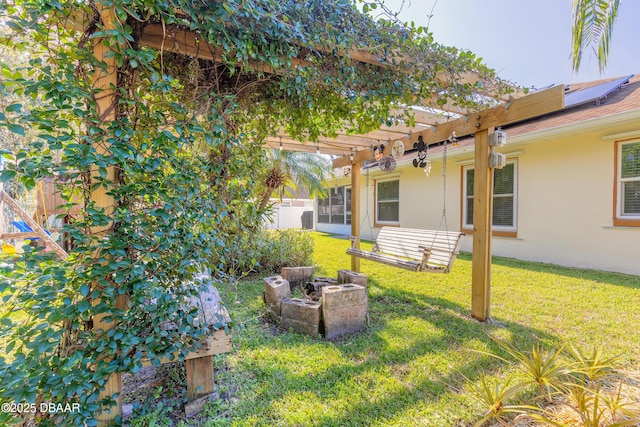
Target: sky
x,y
527,42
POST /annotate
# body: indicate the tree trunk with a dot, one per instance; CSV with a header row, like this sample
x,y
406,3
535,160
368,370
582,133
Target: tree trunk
x,y
265,198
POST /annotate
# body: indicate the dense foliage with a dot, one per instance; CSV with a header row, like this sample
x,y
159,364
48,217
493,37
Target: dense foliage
x,y
177,155
267,251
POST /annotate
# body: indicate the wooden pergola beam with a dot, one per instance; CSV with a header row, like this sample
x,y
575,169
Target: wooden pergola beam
x,y
341,141
427,118
170,38
306,148
527,107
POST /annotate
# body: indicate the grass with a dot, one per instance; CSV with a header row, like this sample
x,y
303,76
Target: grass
x,y
409,366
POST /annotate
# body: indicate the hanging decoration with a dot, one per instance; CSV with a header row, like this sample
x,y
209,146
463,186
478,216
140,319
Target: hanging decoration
x,y
378,151
422,148
387,164
397,149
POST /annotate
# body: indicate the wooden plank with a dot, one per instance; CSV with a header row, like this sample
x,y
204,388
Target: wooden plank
x,y
174,39
306,147
384,259
218,342
25,235
4,197
19,236
482,218
355,212
527,107
199,376
344,142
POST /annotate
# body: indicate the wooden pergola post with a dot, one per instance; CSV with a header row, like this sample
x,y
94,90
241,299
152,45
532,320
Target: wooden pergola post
x,y
482,220
355,211
105,80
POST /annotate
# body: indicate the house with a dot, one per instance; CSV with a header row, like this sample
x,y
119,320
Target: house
x,y
569,193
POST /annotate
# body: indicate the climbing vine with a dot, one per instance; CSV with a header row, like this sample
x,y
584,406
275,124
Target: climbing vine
x,y
178,159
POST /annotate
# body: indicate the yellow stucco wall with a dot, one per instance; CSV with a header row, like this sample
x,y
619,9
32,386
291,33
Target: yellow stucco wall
x,y
564,199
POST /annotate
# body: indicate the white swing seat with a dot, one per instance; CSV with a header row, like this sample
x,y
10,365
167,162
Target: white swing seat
x,y
413,249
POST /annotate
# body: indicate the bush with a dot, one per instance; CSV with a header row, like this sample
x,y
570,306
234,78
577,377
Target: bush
x,y
571,388
267,251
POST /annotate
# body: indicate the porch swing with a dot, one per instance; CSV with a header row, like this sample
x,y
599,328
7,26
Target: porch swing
x,y
427,251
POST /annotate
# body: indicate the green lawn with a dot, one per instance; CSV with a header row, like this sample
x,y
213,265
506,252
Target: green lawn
x,y
408,367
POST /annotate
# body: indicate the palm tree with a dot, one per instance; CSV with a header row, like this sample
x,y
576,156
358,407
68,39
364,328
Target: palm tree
x,y
295,170
593,25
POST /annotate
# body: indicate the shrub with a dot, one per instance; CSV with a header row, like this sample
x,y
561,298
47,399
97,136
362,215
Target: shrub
x,y
571,388
267,251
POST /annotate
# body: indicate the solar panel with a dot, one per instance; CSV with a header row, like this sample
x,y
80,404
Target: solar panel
x,y
594,93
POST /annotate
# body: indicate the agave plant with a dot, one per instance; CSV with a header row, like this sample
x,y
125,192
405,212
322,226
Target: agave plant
x,y
493,396
588,387
541,366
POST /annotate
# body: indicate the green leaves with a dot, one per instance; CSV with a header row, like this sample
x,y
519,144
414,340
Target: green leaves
x,y
17,129
593,22
588,385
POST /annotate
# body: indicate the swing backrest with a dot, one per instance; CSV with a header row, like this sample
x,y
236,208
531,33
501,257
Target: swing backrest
x,y
411,242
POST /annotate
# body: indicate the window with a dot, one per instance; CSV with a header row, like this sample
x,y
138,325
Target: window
x,y
504,199
335,209
388,202
628,184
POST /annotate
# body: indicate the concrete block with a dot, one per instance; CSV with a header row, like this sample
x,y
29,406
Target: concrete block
x,y
300,327
344,295
344,309
344,321
297,276
275,290
306,311
349,276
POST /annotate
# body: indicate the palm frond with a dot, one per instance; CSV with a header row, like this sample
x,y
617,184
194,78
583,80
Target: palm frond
x,y
593,22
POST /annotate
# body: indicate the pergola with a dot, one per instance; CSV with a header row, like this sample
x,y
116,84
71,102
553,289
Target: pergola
x,y
433,122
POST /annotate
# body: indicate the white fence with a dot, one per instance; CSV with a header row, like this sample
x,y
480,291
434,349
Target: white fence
x,y
287,216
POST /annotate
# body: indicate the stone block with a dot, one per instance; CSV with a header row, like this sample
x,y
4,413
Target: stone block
x,y
306,311
300,327
297,276
344,295
275,290
349,276
344,309
344,321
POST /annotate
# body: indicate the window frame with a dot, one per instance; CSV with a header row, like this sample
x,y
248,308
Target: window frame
x,y
345,213
619,218
497,230
376,221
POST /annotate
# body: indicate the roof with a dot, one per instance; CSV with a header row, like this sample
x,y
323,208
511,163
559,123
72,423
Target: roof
x,y
600,98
